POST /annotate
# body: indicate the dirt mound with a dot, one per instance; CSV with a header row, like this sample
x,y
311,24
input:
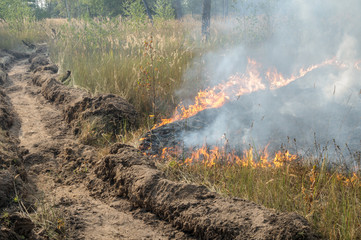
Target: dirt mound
x,y
108,114
38,61
45,76
6,113
3,77
5,59
16,54
52,68
8,146
193,208
40,50
56,92
6,188
14,190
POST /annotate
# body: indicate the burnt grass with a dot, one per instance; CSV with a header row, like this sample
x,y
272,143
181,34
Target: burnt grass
x,y
124,172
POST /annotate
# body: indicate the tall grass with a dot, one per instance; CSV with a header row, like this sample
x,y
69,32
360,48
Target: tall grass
x,y
12,33
329,199
142,62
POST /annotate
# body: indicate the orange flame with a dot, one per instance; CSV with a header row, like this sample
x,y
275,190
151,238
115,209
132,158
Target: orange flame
x,y
218,95
353,180
237,85
277,80
210,157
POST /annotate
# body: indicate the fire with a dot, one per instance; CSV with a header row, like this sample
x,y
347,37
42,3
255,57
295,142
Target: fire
x,y
218,95
277,80
210,157
237,85
240,84
353,180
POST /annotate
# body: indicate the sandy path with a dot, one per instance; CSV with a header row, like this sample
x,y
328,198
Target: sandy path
x,y
41,130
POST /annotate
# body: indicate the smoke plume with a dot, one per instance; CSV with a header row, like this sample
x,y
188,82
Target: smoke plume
x,y
323,107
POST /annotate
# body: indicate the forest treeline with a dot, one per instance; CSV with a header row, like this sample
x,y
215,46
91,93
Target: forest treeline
x,y
168,9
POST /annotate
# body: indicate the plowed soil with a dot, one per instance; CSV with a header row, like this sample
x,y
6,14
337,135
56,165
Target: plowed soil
x,y
121,195
41,129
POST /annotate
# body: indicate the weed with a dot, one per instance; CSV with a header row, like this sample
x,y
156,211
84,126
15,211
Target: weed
x,y
5,219
49,219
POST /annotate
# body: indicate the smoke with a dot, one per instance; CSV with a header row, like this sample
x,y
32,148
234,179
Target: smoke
x,y
322,107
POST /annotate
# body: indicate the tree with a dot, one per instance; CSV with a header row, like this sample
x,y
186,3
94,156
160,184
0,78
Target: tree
x,y
15,10
206,19
163,9
148,11
225,8
67,9
178,9
135,10
192,7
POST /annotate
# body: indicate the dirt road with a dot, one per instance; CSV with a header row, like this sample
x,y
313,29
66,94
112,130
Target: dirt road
x,y
41,129
81,194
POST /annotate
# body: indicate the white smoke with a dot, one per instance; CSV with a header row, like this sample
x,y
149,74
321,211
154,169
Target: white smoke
x,y
326,103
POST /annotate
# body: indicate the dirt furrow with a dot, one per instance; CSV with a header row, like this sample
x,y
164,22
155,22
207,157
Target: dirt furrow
x,y
30,128
42,131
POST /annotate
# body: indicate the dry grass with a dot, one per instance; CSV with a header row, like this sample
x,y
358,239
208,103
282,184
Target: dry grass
x,y
11,34
146,65
331,201
49,220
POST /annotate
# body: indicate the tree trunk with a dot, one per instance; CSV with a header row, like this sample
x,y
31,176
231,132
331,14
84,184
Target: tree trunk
x,y
67,9
206,19
225,8
178,9
79,12
148,11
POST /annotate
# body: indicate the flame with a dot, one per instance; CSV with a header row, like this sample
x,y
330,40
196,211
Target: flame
x,y
240,84
348,181
218,155
218,95
277,80
237,85
210,157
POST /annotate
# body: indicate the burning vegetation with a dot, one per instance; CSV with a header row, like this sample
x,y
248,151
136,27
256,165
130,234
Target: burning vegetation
x,y
216,97
240,84
313,184
268,109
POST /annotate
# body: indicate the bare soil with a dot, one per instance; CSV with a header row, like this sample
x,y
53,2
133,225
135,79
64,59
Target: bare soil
x,y
41,129
119,196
